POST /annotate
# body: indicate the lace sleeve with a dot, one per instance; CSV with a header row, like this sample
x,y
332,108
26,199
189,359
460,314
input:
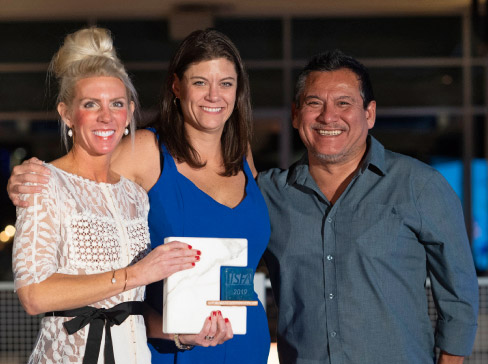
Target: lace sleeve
x,y
37,238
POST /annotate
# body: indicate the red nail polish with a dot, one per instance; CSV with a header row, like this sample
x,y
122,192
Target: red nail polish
x,y
199,252
226,320
220,313
213,313
197,257
193,264
189,247
209,318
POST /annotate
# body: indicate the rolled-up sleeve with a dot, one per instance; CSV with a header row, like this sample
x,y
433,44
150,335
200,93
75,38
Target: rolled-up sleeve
x,y
450,266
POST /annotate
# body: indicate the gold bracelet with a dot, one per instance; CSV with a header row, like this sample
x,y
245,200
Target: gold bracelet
x,y
125,284
181,346
113,280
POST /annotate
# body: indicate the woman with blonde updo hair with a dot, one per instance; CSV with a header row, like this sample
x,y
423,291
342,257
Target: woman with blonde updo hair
x,y
88,52
81,251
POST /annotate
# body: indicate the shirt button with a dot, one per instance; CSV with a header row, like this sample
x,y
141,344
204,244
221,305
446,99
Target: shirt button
x,y
331,296
329,220
330,257
333,334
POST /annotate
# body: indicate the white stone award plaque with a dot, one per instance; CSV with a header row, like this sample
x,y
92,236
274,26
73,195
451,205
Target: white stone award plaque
x,y
186,292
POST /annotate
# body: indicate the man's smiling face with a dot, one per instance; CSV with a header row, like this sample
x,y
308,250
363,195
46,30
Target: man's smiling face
x,y
331,119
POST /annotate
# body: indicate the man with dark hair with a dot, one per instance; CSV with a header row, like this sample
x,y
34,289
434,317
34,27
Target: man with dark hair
x,y
356,230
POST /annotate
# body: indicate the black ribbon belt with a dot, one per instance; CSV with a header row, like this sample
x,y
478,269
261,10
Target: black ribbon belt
x,y
98,318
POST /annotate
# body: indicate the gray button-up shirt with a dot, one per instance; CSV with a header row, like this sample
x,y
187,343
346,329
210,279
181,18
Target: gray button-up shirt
x,y
349,278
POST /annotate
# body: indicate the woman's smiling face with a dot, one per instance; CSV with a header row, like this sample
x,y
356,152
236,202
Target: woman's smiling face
x,y
207,94
97,115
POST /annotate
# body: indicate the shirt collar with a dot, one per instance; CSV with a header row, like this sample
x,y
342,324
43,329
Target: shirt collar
x,y
300,174
373,160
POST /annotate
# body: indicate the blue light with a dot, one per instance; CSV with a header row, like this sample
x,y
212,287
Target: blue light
x,y
452,170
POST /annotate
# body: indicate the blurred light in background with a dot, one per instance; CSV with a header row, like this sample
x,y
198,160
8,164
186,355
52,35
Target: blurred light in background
x,y
10,230
7,234
4,237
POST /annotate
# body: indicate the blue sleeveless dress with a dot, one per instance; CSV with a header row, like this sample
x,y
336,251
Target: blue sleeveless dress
x,y
179,208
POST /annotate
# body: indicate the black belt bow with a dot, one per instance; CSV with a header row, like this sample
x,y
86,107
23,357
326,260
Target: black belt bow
x,y
98,318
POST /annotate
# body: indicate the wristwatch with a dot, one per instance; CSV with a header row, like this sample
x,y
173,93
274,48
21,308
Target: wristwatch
x,y
181,346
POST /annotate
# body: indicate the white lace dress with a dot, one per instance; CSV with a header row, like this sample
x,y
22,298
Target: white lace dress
x,y
78,226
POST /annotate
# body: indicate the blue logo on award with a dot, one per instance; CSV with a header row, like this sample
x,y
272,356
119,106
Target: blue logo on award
x,y
236,284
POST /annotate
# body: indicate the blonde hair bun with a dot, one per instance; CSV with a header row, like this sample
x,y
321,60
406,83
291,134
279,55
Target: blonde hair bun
x,y
87,53
82,46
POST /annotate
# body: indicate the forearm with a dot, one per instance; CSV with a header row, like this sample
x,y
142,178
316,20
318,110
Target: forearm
x,y
445,358
154,324
64,291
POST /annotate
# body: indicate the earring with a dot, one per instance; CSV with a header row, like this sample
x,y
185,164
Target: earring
x,y
126,131
175,102
70,133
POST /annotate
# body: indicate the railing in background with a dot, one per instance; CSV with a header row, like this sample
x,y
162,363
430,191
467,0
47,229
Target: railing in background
x,y
18,331
479,354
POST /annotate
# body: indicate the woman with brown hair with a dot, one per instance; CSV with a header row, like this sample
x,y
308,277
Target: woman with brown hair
x,y
193,165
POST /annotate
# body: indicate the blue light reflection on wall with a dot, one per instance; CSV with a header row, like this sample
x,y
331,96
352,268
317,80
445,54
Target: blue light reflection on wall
x,y
452,170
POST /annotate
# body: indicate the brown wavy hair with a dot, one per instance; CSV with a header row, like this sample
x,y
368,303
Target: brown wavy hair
x,y
199,46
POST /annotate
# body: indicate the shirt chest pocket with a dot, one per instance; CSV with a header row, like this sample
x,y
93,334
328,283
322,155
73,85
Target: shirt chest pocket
x,y
373,229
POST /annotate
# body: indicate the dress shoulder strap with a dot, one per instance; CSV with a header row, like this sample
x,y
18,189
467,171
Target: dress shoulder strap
x,y
166,160
247,169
